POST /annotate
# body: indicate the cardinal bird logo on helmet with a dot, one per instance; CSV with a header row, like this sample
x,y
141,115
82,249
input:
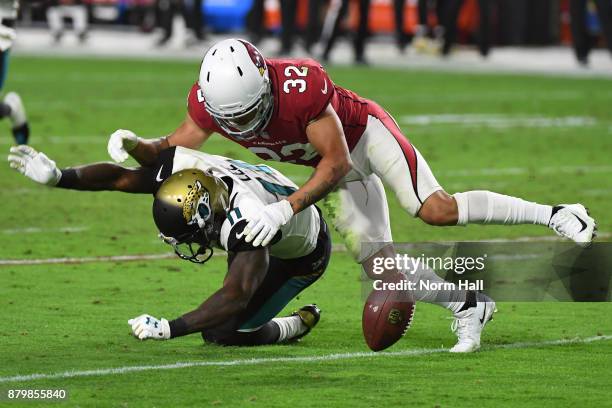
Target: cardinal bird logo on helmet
x,y
256,57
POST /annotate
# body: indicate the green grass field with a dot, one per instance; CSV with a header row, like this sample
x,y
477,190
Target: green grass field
x,y
70,318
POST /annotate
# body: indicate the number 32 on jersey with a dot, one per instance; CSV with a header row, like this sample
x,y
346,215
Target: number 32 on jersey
x,y
295,79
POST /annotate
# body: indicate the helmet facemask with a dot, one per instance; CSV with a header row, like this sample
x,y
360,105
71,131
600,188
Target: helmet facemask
x,y
195,247
246,123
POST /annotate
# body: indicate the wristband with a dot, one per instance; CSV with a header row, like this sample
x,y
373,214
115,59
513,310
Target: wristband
x,y
178,328
130,143
68,178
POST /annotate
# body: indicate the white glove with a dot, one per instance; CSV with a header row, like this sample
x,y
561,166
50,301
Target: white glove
x,y
7,36
148,327
120,143
263,227
34,165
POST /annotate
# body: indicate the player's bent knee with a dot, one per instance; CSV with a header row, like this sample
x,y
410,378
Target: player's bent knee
x,y
219,337
439,209
223,335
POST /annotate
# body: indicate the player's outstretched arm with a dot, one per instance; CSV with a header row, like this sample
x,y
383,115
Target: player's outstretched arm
x,y
326,135
92,177
124,143
246,272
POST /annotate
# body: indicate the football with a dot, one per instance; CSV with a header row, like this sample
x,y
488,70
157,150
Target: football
x,y
387,315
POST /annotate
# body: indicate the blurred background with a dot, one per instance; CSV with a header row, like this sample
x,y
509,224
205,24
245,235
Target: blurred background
x,y
554,35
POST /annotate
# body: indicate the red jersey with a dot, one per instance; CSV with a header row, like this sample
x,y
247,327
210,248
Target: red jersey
x,y
302,90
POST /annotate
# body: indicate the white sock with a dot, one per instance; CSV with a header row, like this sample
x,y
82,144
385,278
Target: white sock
x,y
290,327
485,207
451,300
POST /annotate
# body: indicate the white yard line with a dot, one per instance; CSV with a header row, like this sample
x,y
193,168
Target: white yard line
x,y
34,230
469,97
153,257
71,140
110,103
87,259
112,258
597,192
97,76
498,120
518,171
37,189
273,360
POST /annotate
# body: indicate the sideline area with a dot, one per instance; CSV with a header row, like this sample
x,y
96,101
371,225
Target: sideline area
x,y
380,52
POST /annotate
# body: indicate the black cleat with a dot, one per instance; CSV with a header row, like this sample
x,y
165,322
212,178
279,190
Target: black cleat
x,y
22,134
310,316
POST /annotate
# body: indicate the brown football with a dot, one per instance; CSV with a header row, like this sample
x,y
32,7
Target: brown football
x,y
387,315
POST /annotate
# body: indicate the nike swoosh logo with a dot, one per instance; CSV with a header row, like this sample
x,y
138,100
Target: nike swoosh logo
x,y
581,223
324,89
158,178
484,313
238,236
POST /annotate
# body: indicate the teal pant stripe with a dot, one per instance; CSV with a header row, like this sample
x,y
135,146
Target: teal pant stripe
x,y
4,60
278,301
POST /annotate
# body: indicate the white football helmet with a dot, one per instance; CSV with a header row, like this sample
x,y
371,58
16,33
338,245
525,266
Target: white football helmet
x,y
236,88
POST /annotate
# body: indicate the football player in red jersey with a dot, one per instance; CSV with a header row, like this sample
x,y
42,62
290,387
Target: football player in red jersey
x,y
290,110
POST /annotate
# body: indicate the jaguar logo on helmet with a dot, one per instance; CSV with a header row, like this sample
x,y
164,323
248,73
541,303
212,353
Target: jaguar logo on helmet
x,y
256,57
196,208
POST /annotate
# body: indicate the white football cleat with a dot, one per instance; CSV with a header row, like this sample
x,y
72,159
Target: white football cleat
x,y
573,221
18,116
468,324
